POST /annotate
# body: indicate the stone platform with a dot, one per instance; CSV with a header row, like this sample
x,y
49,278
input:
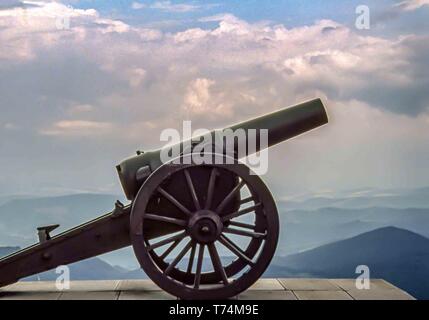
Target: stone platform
x,y
264,289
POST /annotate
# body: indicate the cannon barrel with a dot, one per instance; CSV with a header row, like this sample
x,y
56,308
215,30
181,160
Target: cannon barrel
x,y
281,125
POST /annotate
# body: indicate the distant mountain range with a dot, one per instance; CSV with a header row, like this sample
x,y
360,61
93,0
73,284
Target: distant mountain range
x,y
305,224
20,216
396,255
358,199
4,251
301,228
306,229
90,269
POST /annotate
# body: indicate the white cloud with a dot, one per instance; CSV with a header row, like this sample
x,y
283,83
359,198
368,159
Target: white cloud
x,y
137,77
138,5
190,35
109,26
77,128
411,5
201,101
198,95
43,9
10,126
42,25
229,23
171,7
81,108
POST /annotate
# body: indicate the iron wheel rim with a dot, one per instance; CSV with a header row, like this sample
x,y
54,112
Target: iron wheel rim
x,y
173,281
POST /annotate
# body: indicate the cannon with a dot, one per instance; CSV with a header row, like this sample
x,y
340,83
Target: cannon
x,y
199,230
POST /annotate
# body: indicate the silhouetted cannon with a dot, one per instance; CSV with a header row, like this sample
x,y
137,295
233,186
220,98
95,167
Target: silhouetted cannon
x,y
184,212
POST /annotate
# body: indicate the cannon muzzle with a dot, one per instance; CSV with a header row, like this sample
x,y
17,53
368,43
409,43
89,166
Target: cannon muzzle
x,y
280,126
288,122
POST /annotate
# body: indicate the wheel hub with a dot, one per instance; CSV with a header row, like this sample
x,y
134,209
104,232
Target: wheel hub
x,y
205,226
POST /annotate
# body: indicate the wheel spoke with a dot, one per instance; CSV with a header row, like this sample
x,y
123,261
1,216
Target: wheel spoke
x,y
246,200
165,241
178,258
230,196
210,190
174,201
242,225
170,248
239,213
199,267
191,258
192,190
217,264
155,217
235,249
244,233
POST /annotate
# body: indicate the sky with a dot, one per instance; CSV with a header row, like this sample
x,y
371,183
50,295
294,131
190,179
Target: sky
x,y
86,83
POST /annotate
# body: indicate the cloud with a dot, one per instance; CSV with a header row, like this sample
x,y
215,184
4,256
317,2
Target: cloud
x,y
411,5
103,86
37,23
81,108
168,6
220,17
137,77
201,101
137,5
77,128
10,126
10,4
401,17
324,57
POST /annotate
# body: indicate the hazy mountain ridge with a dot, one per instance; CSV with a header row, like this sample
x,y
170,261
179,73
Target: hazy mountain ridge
x,y
305,229
19,217
396,255
301,229
390,198
90,269
5,251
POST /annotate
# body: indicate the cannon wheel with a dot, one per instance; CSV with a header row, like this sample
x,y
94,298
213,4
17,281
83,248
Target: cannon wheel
x,y
203,225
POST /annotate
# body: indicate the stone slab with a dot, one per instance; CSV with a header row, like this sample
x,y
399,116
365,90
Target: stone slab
x,y
374,294
309,284
350,284
145,295
267,285
322,295
91,295
267,295
137,285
